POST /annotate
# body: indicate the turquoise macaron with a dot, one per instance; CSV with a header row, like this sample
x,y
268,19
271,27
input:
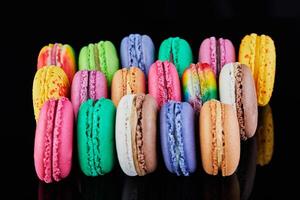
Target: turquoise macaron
x,y
95,136
178,51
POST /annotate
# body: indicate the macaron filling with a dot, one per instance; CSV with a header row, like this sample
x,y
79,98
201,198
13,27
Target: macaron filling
x,y
135,52
165,82
55,55
88,85
218,136
95,137
175,139
238,99
128,81
197,101
141,162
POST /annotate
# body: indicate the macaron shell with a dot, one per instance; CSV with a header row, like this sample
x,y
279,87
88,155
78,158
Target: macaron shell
x,y
49,82
123,135
229,52
148,52
106,135
63,142
42,143
249,100
188,134
164,137
172,80
149,122
227,84
80,89
232,141
112,60
137,83
83,59
207,52
266,74
66,59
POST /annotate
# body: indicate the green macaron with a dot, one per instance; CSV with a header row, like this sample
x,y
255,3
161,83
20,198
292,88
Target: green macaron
x,y
177,51
95,136
101,56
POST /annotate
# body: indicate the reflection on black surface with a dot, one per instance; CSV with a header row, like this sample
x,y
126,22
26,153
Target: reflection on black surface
x,y
64,190
247,167
217,187
100,187
265,135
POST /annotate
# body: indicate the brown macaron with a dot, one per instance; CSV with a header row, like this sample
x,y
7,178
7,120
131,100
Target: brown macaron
x,y
127,81
219,138
136,134
236,86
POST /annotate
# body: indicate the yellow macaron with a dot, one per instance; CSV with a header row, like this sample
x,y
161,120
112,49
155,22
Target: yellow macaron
x,y
49,82
258,52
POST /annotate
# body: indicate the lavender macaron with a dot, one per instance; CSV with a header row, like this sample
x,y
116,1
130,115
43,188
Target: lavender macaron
x,y
178,137
138,51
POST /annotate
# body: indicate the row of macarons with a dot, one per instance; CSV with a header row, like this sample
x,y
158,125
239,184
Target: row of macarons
x,y
135,131
52,83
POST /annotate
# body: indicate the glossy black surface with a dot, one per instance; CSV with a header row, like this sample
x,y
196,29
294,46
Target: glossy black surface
x,y
26,35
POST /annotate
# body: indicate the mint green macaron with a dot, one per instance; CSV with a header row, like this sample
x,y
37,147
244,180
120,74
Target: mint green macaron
x,y
95,136
101,56
177,51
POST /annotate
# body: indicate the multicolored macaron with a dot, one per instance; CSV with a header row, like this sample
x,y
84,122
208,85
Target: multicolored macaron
x,y
177,51
137,50
101,56
258,53
61,55
199,85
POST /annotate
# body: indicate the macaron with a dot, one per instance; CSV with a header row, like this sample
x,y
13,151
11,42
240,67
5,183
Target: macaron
x,y
199,85
53,143
219,138
87,85
177,51
177,137
101,56
265,136
95,136
137,50
136,134
258,53
61,55
127,81
49,82
236,86
163,82
216,52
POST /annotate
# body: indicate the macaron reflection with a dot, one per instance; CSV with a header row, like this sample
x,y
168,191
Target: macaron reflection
x,y
265,135
247,167
217,187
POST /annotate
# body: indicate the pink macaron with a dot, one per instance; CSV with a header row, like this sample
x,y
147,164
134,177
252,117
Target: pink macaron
x,y
87,85
217,53
163,82
54,140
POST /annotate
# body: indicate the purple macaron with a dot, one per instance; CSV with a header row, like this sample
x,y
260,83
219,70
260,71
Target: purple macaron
x,y
138,51
178,137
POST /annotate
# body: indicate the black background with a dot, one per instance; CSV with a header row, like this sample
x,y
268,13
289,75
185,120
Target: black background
x,y
26,29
